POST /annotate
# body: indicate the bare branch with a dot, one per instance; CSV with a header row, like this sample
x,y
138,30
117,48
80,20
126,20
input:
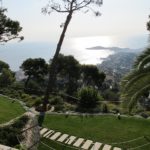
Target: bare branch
x,y
11,38
85,5
60,11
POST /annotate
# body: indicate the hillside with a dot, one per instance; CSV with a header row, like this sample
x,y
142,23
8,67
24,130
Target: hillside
x,y
118,64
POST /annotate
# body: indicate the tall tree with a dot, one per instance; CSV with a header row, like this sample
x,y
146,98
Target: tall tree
x,y
9,29
34,68
69,7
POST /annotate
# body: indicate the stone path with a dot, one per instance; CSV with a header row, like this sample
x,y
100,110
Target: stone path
x,y
73,141
78,142
3,147
87,144
106,147
63,137
70,140
96,146
55,136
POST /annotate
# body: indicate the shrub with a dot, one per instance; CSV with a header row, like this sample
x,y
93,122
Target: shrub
x,y
144,115
56,100
104,108
89,98
69,107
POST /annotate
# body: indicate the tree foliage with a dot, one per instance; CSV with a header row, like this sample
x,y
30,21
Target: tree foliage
x,y
89,98
92,76
68,71
6,77
9,29
34,68
3,65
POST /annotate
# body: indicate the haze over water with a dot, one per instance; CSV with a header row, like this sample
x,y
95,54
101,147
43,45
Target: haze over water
x,y
15,53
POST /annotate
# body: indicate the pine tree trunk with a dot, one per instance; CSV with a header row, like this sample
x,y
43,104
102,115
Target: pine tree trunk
x,y
52,70
27,81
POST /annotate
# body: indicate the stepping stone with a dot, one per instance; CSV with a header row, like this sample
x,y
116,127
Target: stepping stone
x,y
116,148
47,134
96,146
106,147
70,140
3,147
55,136
78,142
42,131
87,144
63,137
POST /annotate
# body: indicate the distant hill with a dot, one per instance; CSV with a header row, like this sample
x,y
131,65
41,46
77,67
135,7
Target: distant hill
x,y
116,49
120,63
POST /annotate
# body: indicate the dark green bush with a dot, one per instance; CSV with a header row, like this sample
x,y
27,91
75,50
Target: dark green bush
x,y
89,99
56,100
104,108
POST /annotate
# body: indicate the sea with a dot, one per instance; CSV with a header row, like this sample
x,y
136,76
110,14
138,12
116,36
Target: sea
x,y
14,53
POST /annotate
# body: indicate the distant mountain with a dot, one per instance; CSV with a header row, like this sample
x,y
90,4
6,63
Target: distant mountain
x,y
116,49
117,65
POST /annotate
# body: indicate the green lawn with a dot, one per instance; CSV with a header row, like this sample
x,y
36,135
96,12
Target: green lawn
x,y
9,109
105,129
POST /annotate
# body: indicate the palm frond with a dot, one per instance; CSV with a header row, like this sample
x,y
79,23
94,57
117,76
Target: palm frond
x,y
137,95
141,57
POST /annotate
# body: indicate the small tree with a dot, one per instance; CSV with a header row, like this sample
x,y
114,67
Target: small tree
x,y
6,78
9,29
69,7
89,99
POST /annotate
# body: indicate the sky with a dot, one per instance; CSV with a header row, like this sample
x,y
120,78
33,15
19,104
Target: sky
x,y
122,23
119,18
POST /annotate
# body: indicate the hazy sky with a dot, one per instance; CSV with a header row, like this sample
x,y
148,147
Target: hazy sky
x,y
122,24
123,18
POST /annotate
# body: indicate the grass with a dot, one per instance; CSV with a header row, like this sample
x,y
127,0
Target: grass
x,y
9,109
105,129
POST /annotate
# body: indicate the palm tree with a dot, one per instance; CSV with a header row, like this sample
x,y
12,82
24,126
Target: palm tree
x,y
137,82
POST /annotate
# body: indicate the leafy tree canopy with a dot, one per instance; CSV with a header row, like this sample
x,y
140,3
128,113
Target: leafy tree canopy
x,y
9,29
35,68
92,76
6,77
3,65
68,66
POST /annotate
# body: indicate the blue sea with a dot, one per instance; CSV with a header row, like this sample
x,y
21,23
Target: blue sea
x,y
15,53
